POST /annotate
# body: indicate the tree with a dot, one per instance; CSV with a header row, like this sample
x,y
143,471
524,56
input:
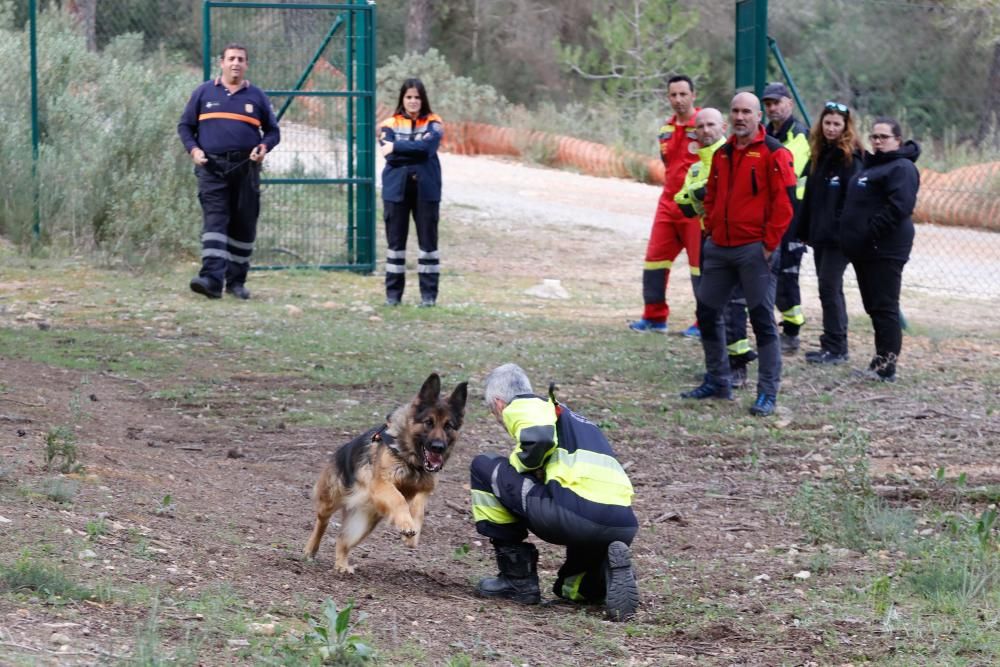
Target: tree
x,y
418,26
639,44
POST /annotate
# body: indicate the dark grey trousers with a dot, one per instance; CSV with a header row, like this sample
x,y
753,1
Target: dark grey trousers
x,y
722,269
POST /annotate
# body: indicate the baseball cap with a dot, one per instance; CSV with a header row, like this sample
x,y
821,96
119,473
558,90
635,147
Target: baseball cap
x,y
775,91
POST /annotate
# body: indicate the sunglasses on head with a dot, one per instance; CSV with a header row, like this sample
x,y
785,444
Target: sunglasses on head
x,y
837,106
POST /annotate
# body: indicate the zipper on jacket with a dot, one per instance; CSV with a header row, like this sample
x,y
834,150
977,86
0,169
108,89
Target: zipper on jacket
x,y
753,181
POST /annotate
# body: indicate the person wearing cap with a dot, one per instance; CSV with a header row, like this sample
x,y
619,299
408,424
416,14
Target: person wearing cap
x,y
794,136
227,128
748,207
672,230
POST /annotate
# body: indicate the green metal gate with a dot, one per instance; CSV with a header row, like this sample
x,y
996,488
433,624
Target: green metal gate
x,y
316,61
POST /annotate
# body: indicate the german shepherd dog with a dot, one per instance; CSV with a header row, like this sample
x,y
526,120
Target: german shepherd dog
x,y
388,471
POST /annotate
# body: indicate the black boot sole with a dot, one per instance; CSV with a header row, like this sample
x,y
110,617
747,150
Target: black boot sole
x,y
622,591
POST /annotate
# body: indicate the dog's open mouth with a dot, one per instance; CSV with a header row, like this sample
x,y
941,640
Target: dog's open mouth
x,y
432,461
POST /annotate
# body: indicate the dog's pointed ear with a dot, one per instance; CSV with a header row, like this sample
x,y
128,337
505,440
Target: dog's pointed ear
x,y
431,391
457,402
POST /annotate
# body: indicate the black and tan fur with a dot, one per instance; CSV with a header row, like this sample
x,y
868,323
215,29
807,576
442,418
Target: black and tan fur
x,y
389,471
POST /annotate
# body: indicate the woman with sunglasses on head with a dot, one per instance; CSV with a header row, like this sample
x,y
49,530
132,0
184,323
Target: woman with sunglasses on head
x,y
877,235
836,150
411,183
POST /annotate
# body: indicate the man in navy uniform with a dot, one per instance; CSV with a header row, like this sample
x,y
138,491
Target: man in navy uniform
x,y
227,128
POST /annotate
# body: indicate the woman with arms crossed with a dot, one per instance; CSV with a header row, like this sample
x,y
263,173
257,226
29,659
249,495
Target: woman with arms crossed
x,y
411,184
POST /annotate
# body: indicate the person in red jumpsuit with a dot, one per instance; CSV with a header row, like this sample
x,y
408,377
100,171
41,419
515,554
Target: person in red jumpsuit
x,y
672,230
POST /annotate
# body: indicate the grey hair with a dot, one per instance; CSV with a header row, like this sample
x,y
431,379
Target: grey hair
x,y
505,382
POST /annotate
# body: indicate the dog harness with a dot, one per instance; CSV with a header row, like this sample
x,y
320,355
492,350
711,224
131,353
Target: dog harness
x,y
383,436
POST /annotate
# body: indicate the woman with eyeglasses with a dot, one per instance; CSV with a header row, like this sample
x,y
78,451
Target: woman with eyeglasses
x,y
836,150
876,234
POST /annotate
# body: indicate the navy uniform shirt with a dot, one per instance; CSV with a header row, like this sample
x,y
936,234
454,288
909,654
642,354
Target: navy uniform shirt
x,y
218,121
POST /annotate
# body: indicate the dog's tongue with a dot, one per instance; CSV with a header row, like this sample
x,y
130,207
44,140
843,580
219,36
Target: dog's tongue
x,y
432,460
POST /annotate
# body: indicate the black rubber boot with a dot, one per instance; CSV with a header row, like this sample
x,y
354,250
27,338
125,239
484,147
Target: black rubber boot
x,y
518,577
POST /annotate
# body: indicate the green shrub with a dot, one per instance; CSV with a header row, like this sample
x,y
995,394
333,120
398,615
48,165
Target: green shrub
x,y
28,574
113,177
61,451
60,489
452,97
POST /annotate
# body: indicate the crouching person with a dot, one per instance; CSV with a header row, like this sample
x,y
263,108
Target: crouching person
x,y
563,483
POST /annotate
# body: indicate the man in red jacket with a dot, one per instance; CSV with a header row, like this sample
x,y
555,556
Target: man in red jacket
x,y
748,207
672,230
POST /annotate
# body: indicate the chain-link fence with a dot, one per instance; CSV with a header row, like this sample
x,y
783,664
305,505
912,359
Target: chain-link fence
x,y
114,75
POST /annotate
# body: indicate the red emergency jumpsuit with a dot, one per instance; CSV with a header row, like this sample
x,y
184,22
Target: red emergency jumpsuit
x,y
672,230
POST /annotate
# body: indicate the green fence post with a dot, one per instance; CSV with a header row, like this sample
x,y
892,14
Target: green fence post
x,y
206,38
36,228
788,77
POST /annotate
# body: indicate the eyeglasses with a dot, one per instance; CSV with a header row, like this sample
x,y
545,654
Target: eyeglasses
x,y
837,106
880,137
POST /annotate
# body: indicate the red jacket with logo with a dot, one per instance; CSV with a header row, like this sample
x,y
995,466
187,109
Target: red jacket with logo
x,y
678,155
750,192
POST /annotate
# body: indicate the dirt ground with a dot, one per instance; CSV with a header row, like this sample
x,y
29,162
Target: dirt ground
x,y
715,544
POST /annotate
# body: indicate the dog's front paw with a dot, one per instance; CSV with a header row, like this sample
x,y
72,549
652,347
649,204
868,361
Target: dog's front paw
x,y
407,532
412,541
343,568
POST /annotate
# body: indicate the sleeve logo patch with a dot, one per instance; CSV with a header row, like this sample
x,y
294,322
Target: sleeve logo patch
x,y
248,108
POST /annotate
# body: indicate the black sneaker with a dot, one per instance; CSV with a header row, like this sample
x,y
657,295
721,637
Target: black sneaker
x,y
764,406
826,357
238,290
427,303
392,301
622,592
204,286
709,389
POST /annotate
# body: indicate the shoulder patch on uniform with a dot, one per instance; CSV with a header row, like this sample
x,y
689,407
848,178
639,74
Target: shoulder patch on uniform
x,y
248,107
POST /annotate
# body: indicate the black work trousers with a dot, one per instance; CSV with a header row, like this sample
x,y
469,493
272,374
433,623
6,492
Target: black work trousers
x,y
521,503
229,192
397,227
880,281
830,266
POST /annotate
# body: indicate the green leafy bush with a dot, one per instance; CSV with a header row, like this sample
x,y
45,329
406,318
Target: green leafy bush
x,y
113,178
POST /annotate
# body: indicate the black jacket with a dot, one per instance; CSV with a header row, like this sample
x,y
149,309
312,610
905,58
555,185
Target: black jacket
x,y
876,222
826,190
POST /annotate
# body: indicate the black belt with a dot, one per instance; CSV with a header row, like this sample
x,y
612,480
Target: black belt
x,y
229,156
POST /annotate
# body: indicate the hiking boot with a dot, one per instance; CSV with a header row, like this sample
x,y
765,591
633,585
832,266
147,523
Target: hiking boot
x,y
738,378
518,577
204,286
709,389
764,405
622,593
692,331
789,344
238,290
881,369
427,303
391,301
825,357
644,325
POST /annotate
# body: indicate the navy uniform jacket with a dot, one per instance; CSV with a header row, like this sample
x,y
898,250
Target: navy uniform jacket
x,y
414,155
217,121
